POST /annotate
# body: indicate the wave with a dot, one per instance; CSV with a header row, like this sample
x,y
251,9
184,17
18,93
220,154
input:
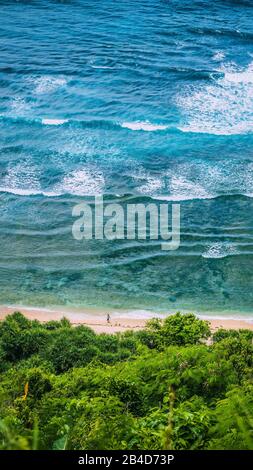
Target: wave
x,y
95,123
218,56
197,196
222,108
178,188
28,192
19,106
54,122
102,67
46,84
176,181
196,180
196,128
181,181
207,123
23,180
220,250
22,118
233,33
96,189
88,182
143,126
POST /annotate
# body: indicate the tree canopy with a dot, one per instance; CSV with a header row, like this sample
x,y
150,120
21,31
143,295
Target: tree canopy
x,y
166,387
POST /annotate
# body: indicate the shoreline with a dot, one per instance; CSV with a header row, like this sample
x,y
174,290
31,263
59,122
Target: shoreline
x,y
120,320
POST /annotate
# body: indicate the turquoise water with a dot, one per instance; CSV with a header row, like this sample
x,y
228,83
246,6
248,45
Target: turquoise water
x,y
140,101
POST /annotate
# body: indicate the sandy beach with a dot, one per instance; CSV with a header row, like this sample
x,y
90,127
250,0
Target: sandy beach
x,y
120,321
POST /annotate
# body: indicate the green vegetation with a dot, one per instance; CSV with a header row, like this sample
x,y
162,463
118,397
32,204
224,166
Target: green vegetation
x,y
170,386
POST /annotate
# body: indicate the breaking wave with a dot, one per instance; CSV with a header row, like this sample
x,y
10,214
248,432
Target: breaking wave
x,y
224,107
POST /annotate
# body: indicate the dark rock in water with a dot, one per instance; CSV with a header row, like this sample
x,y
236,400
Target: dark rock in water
x,y
74,276
226,294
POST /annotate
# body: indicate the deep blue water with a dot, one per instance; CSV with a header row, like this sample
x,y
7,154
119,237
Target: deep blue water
x,y
140,101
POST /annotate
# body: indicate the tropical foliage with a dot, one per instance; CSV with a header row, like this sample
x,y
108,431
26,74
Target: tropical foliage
x,y
170,386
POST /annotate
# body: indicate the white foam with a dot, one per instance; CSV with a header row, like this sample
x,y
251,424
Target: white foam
x,y
54,122
151,186
19,191
143,126
102,67
138,314
19,106
243,128
175,184
179,188
196,180
219,55
47,83
219,250
222,108
182,188
82,182
22,178
181,181
28,192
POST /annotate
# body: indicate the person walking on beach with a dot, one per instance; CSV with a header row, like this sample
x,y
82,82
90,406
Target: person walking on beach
x,y
108,318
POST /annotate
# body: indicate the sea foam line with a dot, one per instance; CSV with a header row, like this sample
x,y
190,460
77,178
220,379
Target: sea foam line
x,y
143,126
54,122
67,192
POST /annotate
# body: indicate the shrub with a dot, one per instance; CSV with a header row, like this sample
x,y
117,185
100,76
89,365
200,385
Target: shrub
x,y
179,329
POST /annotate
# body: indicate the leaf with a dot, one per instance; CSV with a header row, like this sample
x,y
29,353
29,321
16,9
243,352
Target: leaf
x,y
60,444
26,388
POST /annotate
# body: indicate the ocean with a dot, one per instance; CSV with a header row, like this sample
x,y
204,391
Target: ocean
x,y
140,101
